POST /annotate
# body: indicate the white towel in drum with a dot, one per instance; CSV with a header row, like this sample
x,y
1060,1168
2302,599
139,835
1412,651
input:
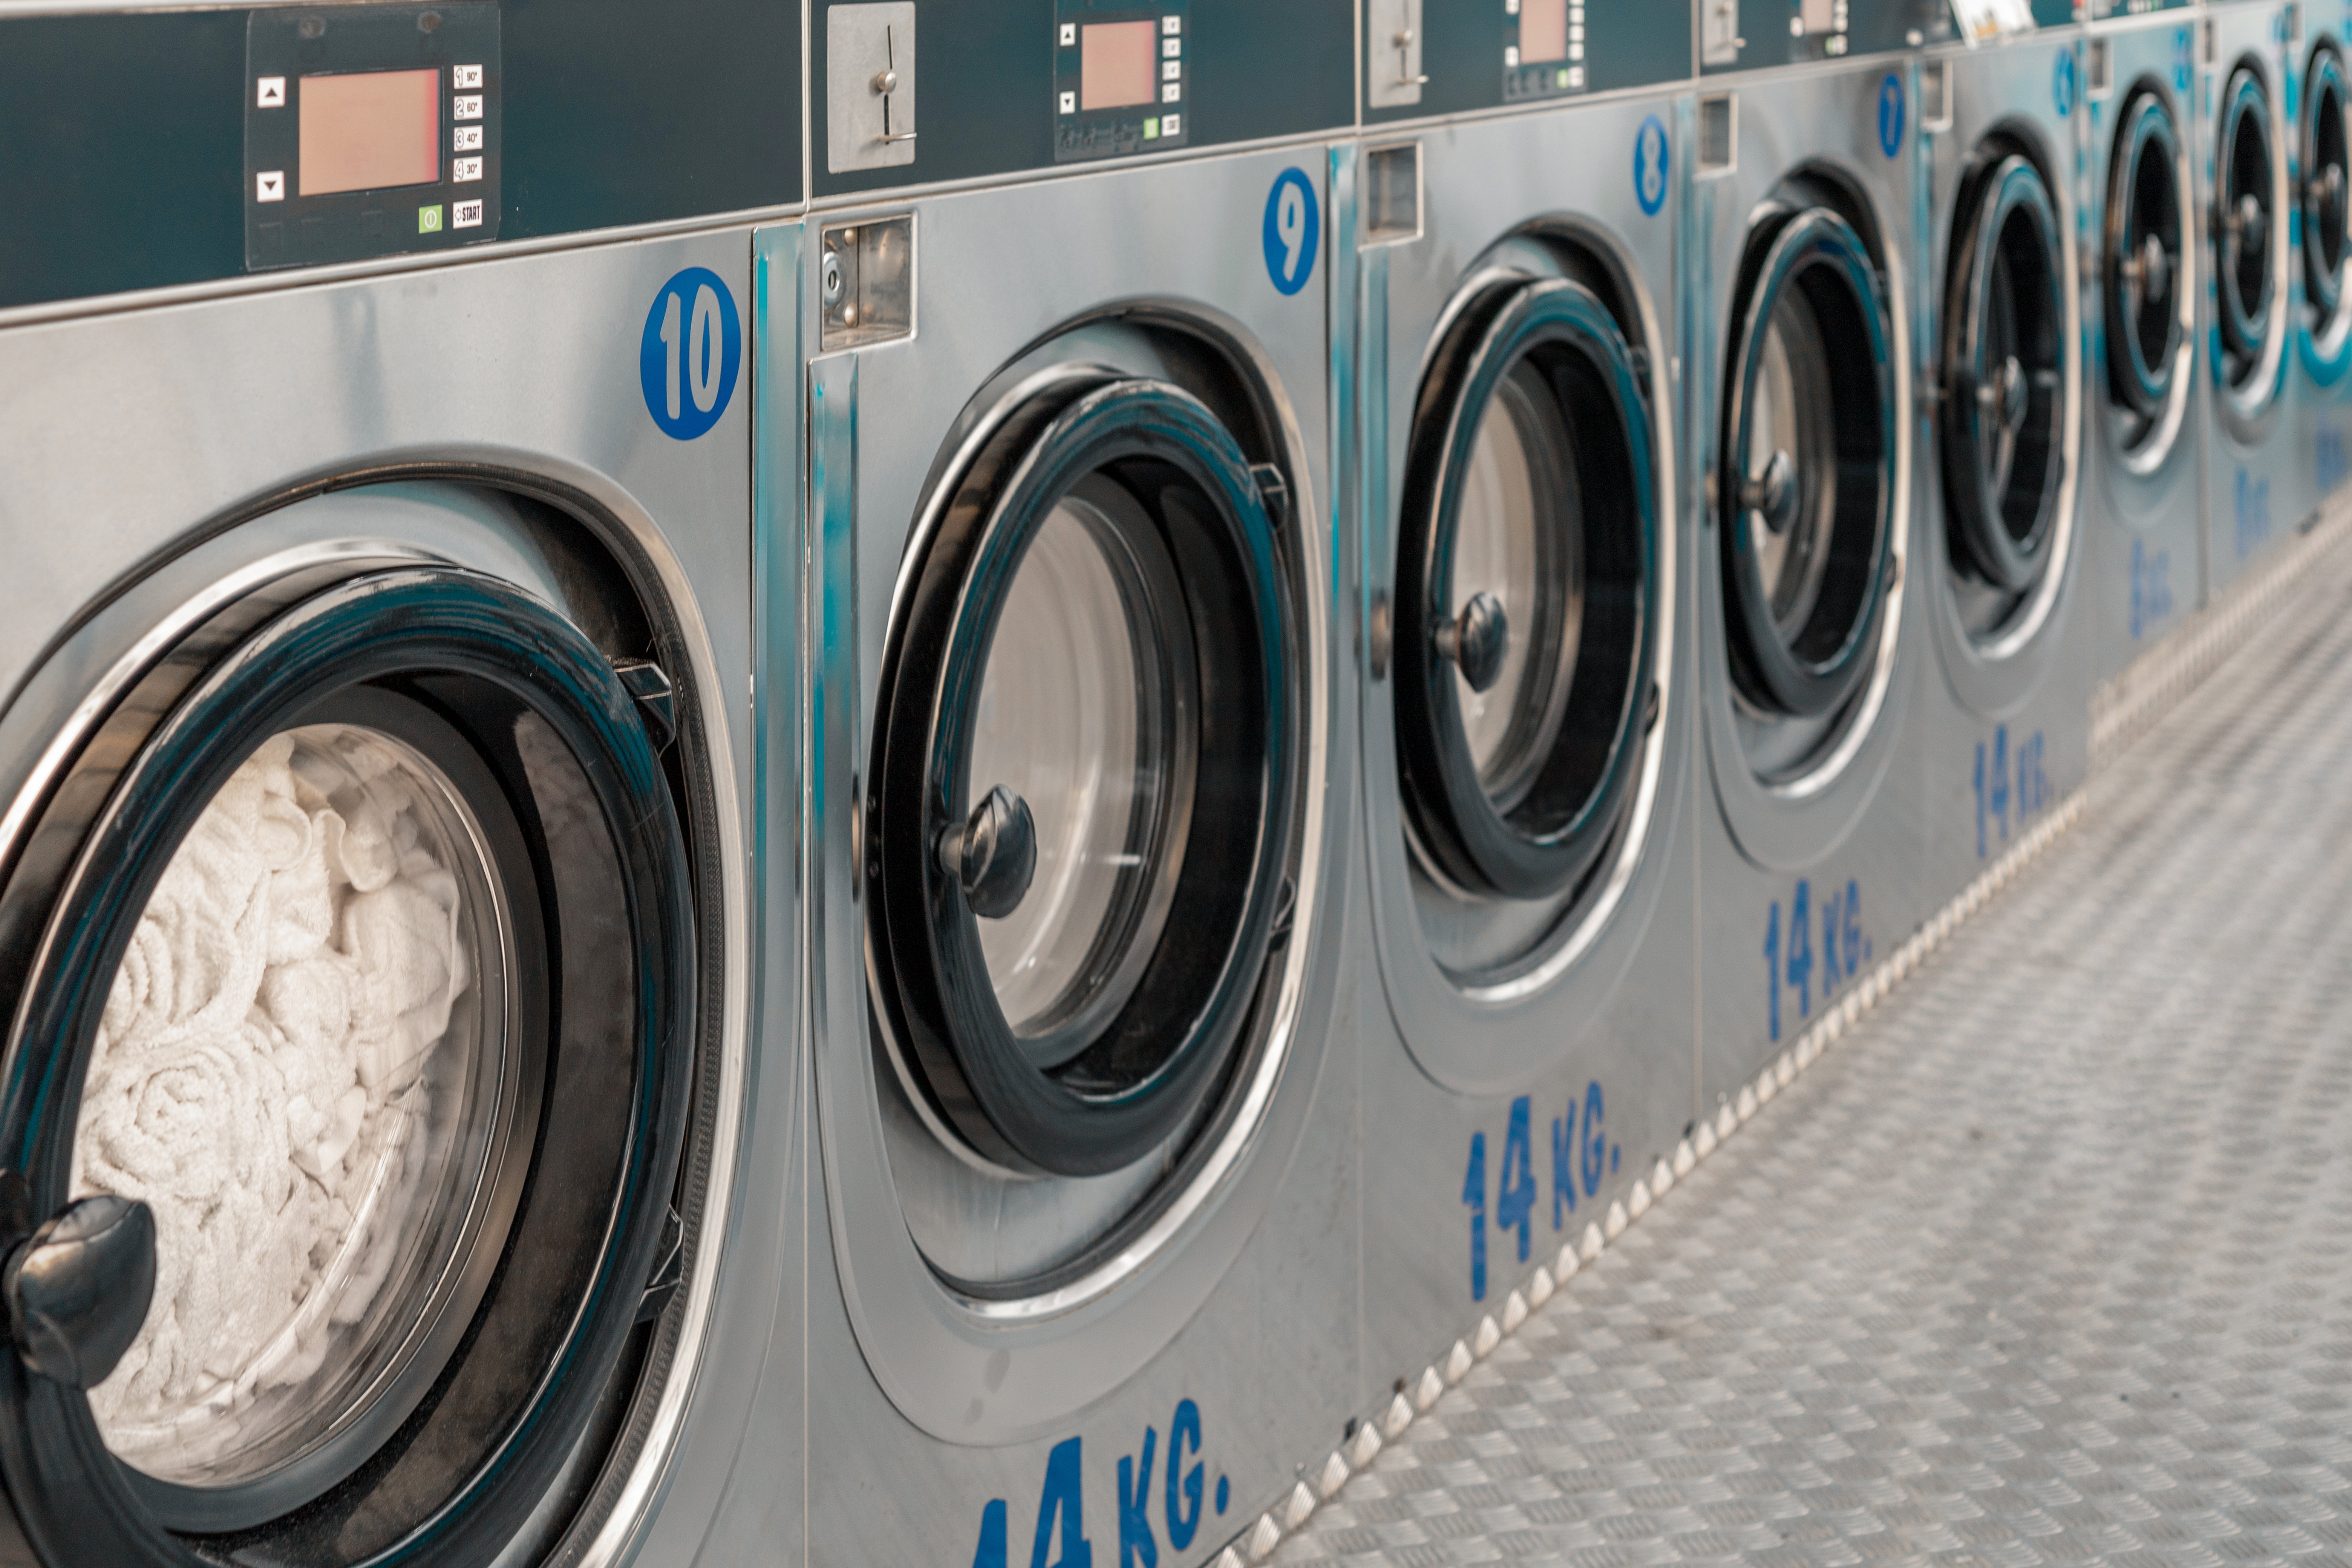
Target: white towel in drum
x,y
256,1075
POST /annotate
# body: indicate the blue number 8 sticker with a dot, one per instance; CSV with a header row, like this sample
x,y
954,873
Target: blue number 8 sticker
x,y
1890,114
691,353
1293,229
1650,160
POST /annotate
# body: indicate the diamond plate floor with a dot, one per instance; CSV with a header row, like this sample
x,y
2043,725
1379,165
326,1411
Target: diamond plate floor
x,y
2049,1262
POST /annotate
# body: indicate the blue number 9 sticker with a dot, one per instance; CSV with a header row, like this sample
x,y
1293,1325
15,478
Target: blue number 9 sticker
x,y
1649,164
1293,229
691,353
1890,114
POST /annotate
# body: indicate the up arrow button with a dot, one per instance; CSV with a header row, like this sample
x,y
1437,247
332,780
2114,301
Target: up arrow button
x,y
271,94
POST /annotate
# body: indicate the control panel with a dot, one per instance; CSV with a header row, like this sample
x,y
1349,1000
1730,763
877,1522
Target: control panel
x,y
1120,81
1752,35
1450,57
1543,50
370,130
1011,90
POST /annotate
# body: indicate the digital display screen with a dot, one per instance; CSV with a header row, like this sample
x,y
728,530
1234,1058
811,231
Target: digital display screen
x,y
1119,64
369,131
1543,31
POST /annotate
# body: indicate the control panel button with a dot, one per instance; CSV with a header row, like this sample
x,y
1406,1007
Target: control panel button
x,y
1171,70
1068,37
465,169
1171,125
466,106
1171,93
1069,102
465,75
270,93
1170,48
428,219
466,215
465,138
269,186
1172,25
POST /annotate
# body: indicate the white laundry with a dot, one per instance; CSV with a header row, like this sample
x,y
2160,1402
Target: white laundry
x,y
259,1079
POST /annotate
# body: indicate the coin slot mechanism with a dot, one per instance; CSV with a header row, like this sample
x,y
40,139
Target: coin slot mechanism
x,y
866,282
1718,134
1393,194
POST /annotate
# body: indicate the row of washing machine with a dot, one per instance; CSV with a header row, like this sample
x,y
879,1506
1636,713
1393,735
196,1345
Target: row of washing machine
x,y
836,828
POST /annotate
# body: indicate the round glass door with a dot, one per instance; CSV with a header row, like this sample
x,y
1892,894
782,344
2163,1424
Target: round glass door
x,y
1524,580
1083,775
366,969
302,1067
2004,373
1807,461
2243,221
2146,285
2326,201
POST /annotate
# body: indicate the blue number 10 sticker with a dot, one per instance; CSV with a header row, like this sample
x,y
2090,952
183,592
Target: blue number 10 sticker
x,y
1293,229
691,353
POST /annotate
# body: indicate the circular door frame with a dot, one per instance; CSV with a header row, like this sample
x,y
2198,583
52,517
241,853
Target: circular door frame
x,y
411,511
2323,335
2170,432
1791,825
2245,404
1504,1035
925,1342
1996,679
947,1036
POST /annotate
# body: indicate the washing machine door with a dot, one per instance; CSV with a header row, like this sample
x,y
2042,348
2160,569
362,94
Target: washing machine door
x,y
2244,227
1526,582
2004,372
353,948
2146,248
2326,172
1086,752
1805,489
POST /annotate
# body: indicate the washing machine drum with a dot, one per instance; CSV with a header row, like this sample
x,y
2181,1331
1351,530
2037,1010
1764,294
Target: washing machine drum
x,y
1526,574
1806,487
2146,248
2244,225
353,962
1086,760
2326,172
2004,372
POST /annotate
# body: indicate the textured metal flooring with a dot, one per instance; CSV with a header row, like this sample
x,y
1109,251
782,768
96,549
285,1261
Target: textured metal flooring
x,y
2049,1262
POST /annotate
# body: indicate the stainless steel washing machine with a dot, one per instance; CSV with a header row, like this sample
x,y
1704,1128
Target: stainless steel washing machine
x,y
2145,436
2320,400
1802,256
1079,848
2003,715
2255,493
1527,703
399,1152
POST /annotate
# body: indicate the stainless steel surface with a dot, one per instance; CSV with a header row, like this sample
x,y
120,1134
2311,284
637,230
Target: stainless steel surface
x,y
146,450
1393,43
2044,1262
1232,1304
2255,495
1488,188
1810,832
2014,691
2144,505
